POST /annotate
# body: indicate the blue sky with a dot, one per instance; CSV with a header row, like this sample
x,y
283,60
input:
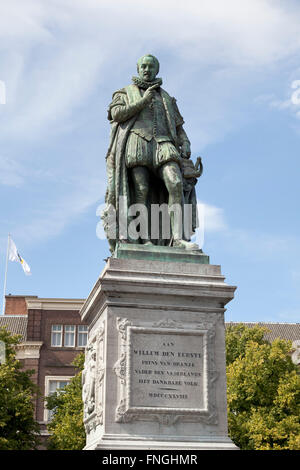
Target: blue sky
x,y
233,67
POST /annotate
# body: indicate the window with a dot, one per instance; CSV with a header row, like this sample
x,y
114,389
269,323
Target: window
x,y
69,335
53,384
65,336
56,335
82,335
57,385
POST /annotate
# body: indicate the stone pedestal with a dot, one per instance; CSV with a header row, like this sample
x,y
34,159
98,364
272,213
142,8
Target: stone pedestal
x,y
155,363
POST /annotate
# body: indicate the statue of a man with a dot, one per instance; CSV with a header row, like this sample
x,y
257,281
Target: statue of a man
x,y
147,145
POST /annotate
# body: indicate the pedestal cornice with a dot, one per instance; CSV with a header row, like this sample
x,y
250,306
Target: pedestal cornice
x,y
133,277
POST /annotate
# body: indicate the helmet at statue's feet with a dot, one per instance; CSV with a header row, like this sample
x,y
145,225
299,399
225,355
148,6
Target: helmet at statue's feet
x,y
148,243
186,245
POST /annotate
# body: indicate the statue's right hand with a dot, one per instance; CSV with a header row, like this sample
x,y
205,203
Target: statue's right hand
x,y
149,93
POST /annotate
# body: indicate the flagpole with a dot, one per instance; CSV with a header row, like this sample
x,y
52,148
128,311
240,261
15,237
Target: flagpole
x,y
5,276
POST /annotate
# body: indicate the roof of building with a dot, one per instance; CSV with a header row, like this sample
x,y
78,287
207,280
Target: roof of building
x,y
53,303
287,331
16,324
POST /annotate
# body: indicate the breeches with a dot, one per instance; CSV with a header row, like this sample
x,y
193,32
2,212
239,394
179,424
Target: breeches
x,y
141,152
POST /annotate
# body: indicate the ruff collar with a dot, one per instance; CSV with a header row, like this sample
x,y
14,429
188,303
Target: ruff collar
x,y
143,84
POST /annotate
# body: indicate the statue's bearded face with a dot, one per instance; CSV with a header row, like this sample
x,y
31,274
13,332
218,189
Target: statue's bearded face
x,y
147,69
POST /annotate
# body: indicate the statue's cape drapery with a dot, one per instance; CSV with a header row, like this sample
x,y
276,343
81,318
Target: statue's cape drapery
x,y
117,145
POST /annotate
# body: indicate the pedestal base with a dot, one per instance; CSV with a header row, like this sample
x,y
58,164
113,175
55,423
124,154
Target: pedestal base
x,y
119,443
154,375
160,253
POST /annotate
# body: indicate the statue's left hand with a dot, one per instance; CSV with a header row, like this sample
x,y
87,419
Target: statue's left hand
x,y
186,150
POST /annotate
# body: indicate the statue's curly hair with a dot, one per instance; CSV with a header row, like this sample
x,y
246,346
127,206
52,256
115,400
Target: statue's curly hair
x,y
154,59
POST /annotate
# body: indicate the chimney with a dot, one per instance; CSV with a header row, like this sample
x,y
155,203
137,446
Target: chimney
x,y
16,304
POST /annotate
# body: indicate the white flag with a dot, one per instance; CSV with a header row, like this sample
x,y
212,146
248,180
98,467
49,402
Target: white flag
x,y
14,256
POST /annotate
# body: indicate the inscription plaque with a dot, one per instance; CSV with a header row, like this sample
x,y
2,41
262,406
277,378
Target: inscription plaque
x,y
166,372
166,369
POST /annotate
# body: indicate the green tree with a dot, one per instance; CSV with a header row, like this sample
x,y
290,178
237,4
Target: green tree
x,y
263,391
18,429
66,427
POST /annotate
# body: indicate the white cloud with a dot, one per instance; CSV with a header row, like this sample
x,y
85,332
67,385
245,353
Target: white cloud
x,y
2,92
295,98
58,47
213,217
247,242
290,103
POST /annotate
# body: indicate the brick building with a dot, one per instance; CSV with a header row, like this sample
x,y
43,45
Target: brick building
x,y
52,336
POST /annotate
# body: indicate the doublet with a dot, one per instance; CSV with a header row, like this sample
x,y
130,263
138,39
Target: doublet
x,y
151,122
150,142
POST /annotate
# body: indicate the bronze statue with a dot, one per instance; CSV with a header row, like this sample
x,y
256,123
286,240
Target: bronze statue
x,y
147,158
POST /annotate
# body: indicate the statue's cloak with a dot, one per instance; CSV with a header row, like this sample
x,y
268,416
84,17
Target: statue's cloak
x,y
122,185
